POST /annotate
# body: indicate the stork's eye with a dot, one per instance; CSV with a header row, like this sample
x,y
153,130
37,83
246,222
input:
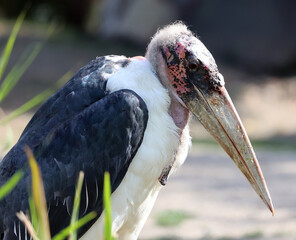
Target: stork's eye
x,y
193,63
170,58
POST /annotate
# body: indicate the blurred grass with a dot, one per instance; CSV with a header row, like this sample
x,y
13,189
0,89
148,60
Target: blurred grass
x,y
172,218
38,99
82,221
75,224
17,71
10,43
38,225
76,205
25,60
41,226
10,184
254,235
107,207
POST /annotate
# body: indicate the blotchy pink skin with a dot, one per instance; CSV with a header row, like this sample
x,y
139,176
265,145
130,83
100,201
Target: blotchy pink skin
x,y
180,50
179,113
177,71
176,76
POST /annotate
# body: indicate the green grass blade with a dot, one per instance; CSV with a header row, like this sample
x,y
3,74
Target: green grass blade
x,y
10,43
10,184
22,65
67,231
41,97
26,106
75,213
38,195
107,207
18,70
33,214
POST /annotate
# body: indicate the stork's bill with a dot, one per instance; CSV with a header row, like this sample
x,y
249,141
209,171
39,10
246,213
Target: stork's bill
x,y
217,114
199,86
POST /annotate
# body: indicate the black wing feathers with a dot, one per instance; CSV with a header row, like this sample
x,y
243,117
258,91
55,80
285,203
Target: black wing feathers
x,y
80,128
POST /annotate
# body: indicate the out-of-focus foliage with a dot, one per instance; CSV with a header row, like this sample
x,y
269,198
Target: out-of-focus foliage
x,y
8,82
73,12
10,184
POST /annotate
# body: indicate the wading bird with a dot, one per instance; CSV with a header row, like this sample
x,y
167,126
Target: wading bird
x,y
128,116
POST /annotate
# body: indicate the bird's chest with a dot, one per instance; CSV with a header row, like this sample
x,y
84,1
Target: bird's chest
x,y
165,147
133,200
135,197
163,144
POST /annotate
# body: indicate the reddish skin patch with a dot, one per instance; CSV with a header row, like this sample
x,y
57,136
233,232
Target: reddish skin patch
x,y
139,58
177,73
180,50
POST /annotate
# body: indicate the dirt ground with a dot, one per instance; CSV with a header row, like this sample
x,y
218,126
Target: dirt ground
x,y
221,203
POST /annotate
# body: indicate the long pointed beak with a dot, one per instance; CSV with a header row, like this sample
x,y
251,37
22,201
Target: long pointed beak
x,y
218,115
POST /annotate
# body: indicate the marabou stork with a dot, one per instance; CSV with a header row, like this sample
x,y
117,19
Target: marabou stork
x,y
128,116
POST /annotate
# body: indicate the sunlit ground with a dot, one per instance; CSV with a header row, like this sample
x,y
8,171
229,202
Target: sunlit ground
x,y
221,204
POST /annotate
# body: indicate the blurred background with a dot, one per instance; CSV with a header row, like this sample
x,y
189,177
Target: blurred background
x,y
254,44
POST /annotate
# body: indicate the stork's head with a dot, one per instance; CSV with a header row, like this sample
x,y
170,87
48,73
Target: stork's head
x,y
189,72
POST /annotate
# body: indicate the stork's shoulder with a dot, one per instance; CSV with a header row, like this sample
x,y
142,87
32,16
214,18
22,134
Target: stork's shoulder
x,y
87,86
100,69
